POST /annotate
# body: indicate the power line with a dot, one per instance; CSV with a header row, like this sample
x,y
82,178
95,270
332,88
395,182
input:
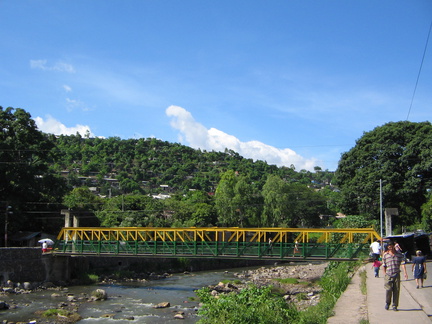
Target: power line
x,y
419,72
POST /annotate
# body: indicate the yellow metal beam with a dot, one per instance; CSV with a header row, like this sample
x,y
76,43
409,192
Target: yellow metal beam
x,y
226,234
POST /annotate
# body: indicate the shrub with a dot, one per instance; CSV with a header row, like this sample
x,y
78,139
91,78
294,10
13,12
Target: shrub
x,y
250,305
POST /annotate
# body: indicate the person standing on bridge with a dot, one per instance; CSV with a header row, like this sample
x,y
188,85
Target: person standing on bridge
x,y
392,262
44,247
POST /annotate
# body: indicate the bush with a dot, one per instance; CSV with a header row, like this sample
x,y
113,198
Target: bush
x,y
250,305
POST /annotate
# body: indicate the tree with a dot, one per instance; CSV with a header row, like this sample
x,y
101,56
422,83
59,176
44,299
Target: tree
x,y
306,206
82,199
276,202
223,199
236,200
427,215
399,153
131,210
291,204
25,179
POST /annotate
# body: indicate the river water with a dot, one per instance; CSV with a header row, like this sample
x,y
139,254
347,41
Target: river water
x,y
125,300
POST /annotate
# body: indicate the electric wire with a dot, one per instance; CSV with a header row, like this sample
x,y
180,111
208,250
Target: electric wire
x,y
419,72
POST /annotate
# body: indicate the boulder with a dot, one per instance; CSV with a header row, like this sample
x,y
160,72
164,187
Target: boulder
x,y
27,285
99,294
162,305
3,305
55,295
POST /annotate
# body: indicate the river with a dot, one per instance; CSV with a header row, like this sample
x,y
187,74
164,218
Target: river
x,y
127,301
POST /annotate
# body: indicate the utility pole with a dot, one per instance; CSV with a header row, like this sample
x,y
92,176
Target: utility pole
x,y
381,209
7,213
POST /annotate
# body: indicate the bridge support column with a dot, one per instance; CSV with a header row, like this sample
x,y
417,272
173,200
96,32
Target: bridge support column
x,y
57,268
70,218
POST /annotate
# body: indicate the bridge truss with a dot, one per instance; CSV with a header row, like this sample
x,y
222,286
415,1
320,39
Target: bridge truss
x,y
217,242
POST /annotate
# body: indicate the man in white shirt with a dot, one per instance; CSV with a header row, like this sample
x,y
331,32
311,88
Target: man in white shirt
x,y
375,249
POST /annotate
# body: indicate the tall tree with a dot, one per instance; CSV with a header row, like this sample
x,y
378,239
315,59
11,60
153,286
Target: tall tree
x,y
398,153
236,200
276,207
25,179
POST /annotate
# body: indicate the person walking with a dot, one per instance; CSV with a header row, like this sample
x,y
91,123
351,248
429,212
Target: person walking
x,y
376,266
419,268
375,249
392,262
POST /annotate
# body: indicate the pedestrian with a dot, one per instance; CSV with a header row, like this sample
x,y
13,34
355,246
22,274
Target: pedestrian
x,y
296,249
392,262
376,266
397,247
375,249
44,247
419,268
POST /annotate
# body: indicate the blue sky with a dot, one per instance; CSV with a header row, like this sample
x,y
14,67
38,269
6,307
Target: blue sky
x,y
288,82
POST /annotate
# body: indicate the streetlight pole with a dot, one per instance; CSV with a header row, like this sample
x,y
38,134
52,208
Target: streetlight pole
x,y
381,208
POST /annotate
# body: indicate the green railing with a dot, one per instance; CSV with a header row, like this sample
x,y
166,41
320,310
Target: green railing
x,y
194,249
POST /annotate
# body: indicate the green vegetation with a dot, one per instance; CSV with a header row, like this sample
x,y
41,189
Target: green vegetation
x,y
55,312
363,277
72,317
287,280
234,282
250,305
334,282
88,278
399,153
41,174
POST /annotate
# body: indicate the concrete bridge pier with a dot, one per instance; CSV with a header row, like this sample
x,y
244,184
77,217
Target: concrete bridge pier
x,y
30,264
57,268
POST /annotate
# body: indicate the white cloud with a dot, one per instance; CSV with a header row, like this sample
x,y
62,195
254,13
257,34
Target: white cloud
x,y
72,104
58,66
198,136
53,126
67,88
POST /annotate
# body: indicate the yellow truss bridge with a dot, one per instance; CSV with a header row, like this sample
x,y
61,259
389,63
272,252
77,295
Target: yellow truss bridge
x,y
217,242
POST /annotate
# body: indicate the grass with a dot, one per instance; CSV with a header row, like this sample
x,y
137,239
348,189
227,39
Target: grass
x,y
234,282
55,312
292,281
363,277
88,278
287,280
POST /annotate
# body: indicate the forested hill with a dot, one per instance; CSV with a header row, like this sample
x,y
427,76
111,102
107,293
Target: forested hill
x,y
115,182
117,166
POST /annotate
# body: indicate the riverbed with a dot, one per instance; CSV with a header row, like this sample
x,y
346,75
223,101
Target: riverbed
x,y
127,301
130,302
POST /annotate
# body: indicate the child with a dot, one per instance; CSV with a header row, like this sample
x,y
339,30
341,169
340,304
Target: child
x,y
376,265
